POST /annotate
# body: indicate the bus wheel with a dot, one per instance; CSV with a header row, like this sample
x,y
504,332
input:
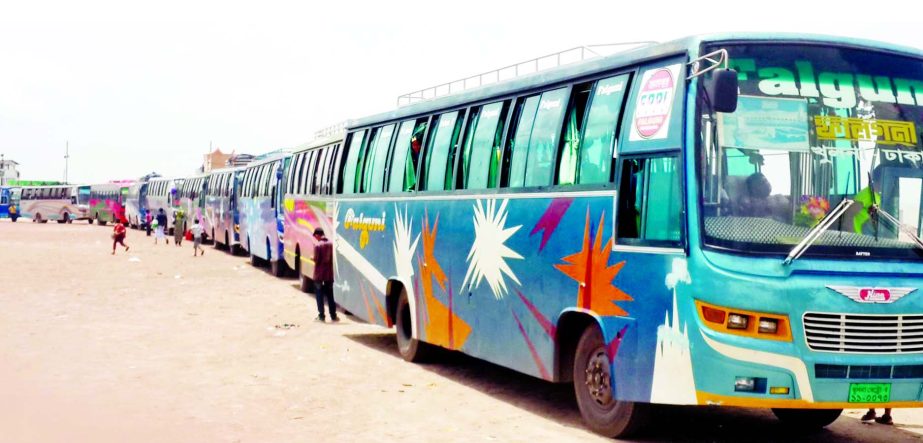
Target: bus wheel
x,y
306,285
411,349
64,218
593,380
37,218
278,267
807,419
14,218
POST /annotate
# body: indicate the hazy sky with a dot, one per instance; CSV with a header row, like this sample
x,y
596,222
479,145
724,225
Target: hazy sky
x,y
136,87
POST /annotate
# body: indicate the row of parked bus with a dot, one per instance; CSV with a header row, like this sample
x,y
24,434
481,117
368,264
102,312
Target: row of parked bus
x,y
102,203
650,226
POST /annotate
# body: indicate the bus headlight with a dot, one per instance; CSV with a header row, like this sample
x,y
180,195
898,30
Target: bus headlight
x,y
744,323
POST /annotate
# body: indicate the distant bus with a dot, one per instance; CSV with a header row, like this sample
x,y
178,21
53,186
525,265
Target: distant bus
x,y
309,183
221,207
44,203
161,194
83,203
191,200
107,202
135,207
261,212
8,207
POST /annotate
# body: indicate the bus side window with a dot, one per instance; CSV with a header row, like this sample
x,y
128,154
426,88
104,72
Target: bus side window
x,y
518,144
352,170
601,130
573,127
543,142
480,163
440,151
650,202
407,147
377,159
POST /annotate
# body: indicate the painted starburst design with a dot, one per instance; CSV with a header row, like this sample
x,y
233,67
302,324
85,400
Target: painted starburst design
x,y
590,268
404,250
487,259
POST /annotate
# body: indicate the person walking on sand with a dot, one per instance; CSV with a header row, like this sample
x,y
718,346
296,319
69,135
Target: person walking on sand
x,y
160,226
197,231
178,232
148,219
884,419
118,236
323,276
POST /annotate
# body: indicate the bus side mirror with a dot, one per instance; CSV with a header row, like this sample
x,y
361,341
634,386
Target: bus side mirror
x,y
722,90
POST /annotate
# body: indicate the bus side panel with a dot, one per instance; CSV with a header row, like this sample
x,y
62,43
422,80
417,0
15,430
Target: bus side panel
x,y
302,215
492,277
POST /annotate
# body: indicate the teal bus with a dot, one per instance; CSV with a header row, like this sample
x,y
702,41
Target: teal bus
x,y
728,220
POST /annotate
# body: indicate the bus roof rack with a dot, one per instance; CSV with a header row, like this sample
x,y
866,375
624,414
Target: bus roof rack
x,y
567,56
331,130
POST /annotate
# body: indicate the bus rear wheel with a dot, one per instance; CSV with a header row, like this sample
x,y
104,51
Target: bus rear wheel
x,y
411,349
807,419
593,381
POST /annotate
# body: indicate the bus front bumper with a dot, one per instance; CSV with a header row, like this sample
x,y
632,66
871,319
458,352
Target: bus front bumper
x,y
730,373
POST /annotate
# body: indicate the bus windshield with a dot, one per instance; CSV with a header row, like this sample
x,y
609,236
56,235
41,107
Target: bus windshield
x,y
814,126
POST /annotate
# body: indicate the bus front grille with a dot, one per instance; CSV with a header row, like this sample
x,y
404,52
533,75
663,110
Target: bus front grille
x,y
864,334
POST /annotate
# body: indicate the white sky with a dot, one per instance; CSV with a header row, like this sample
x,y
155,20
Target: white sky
x,y
136,87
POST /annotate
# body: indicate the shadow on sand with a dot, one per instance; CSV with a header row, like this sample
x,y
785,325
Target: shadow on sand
x,y
670,423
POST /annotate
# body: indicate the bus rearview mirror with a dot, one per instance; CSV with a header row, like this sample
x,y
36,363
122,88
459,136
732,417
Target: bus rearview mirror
x,y
722,90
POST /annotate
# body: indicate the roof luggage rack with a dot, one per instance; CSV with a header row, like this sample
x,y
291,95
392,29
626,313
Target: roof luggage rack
x,y
542,63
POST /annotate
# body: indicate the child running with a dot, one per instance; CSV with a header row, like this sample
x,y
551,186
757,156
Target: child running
x,y
197,238
118,236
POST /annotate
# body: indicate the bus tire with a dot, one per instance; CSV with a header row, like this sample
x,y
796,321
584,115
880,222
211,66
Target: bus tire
x,y
807,419
306,285
14,218
65,218
278,268
411,349
254,260
600,410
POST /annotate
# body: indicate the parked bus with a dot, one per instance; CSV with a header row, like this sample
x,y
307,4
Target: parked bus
x,y
8,207
630,225
261,215
135,204
83,203
107,202
44,203
309,183
221,207
161,194
191,198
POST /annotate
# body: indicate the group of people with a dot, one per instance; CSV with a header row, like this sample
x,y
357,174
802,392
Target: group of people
x,y
158,224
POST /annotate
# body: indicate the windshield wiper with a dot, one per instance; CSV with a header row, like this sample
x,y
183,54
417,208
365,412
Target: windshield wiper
x,y
816,231
904,228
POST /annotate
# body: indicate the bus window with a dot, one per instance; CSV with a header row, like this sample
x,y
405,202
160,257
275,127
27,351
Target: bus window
x,y
481,157
543,142
352,171
406,155
519,143
319,170
377,159
601,131
650,202
440,157
573,127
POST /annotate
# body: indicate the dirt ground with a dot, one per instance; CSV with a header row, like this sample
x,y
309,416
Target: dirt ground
x,y
155,345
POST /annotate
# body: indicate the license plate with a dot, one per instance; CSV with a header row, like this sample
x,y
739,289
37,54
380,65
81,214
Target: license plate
x,y
869,392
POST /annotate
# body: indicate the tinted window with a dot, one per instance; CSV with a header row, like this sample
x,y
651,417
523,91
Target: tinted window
x,y
519,145
352,171
543,144
406,154
440,154
481,157
377,159
650,202
599,136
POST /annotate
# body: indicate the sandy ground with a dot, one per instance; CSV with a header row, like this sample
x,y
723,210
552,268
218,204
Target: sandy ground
x,y
155,345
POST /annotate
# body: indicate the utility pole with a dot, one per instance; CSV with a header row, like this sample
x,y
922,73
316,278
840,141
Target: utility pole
x,y
66,157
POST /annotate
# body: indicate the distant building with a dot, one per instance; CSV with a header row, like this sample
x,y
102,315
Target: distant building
x,y
8,171
216,160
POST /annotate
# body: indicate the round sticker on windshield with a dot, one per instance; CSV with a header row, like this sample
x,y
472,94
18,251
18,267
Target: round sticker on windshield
x,y
655,101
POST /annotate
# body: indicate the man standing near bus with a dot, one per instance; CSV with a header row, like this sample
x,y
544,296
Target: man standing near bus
x,y
323,276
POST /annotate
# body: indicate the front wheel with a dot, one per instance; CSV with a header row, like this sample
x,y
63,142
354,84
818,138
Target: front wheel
x,y
807,419
593,386
306,285
411,349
